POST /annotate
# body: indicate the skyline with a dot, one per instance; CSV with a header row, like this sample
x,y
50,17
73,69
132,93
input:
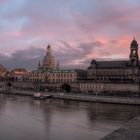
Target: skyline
x,y
77,30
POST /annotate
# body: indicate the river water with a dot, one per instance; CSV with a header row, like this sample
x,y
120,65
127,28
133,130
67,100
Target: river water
x,y
22,118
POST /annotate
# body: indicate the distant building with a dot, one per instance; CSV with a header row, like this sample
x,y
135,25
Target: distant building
x,y
100,77
50,73
114,76
18,74
3,73
119,76
125,71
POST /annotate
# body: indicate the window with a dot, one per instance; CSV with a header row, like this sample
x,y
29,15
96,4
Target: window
x,y
134,52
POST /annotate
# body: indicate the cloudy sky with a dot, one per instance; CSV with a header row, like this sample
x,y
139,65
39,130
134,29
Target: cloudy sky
x,y
78,30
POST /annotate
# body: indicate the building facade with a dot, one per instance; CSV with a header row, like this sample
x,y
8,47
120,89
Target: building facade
x,y
50,76
125,71
3,73
100,77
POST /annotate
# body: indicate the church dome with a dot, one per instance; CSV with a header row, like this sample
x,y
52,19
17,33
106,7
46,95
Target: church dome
x,y
49,60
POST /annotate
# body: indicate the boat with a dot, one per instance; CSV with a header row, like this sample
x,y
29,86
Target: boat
x,y
40,96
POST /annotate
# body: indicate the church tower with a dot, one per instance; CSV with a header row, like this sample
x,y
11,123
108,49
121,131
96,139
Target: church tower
x,y
49,60
134,57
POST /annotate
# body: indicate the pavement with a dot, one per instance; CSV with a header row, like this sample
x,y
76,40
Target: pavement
x,y
130,131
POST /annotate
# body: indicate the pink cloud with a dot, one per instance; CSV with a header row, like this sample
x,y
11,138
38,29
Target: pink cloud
x,y
15,33
96,31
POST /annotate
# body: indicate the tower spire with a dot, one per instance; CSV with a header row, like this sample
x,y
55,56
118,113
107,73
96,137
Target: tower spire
x,y
49,60
134,57
49,51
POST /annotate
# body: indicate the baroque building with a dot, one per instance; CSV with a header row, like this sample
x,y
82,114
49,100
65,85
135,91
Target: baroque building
x,y
52,76
49,61
101,77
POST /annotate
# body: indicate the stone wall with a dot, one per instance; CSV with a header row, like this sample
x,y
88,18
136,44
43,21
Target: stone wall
x,y
107,87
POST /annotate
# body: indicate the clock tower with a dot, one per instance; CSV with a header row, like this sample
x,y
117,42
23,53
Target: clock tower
x,y
134,57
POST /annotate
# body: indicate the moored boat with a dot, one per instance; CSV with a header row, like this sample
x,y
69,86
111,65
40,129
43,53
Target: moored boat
x,y
41,96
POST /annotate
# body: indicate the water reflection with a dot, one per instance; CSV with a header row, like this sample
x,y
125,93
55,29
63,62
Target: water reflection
x,y
24,118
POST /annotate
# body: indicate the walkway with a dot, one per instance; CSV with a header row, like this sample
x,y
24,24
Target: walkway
x,y
130,131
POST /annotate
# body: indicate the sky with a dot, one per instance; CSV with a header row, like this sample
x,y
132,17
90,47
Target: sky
x,y
77,30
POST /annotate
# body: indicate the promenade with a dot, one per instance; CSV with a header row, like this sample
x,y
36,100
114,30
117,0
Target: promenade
x,y
101,99
87,98
130,131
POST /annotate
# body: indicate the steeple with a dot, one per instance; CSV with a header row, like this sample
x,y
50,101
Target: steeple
x,y
134,43
134,58
49,51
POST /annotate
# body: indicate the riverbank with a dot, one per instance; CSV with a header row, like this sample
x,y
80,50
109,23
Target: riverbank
x,y
100,99
130,131
87,98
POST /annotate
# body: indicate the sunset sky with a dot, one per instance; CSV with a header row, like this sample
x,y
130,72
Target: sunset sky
x,y
78,30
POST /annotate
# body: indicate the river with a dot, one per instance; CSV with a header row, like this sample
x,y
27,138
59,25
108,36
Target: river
x,y
23,118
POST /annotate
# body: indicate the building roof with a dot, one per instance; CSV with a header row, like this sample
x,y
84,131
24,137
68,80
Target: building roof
x,y
110,64
119,63
93,62
57,70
